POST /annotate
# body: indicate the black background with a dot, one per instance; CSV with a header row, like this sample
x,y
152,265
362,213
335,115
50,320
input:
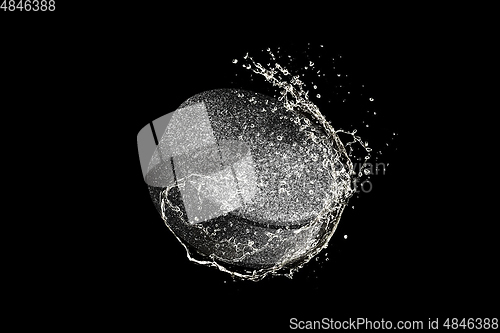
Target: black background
x,y
418,246
412,253
408,254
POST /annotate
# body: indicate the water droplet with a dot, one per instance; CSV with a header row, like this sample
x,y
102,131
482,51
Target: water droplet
x,y
235,61
345,236
279,138
371,99
318,95
315,87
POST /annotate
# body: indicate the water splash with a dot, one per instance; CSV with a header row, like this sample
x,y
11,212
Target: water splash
x,y
335,160
295,97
